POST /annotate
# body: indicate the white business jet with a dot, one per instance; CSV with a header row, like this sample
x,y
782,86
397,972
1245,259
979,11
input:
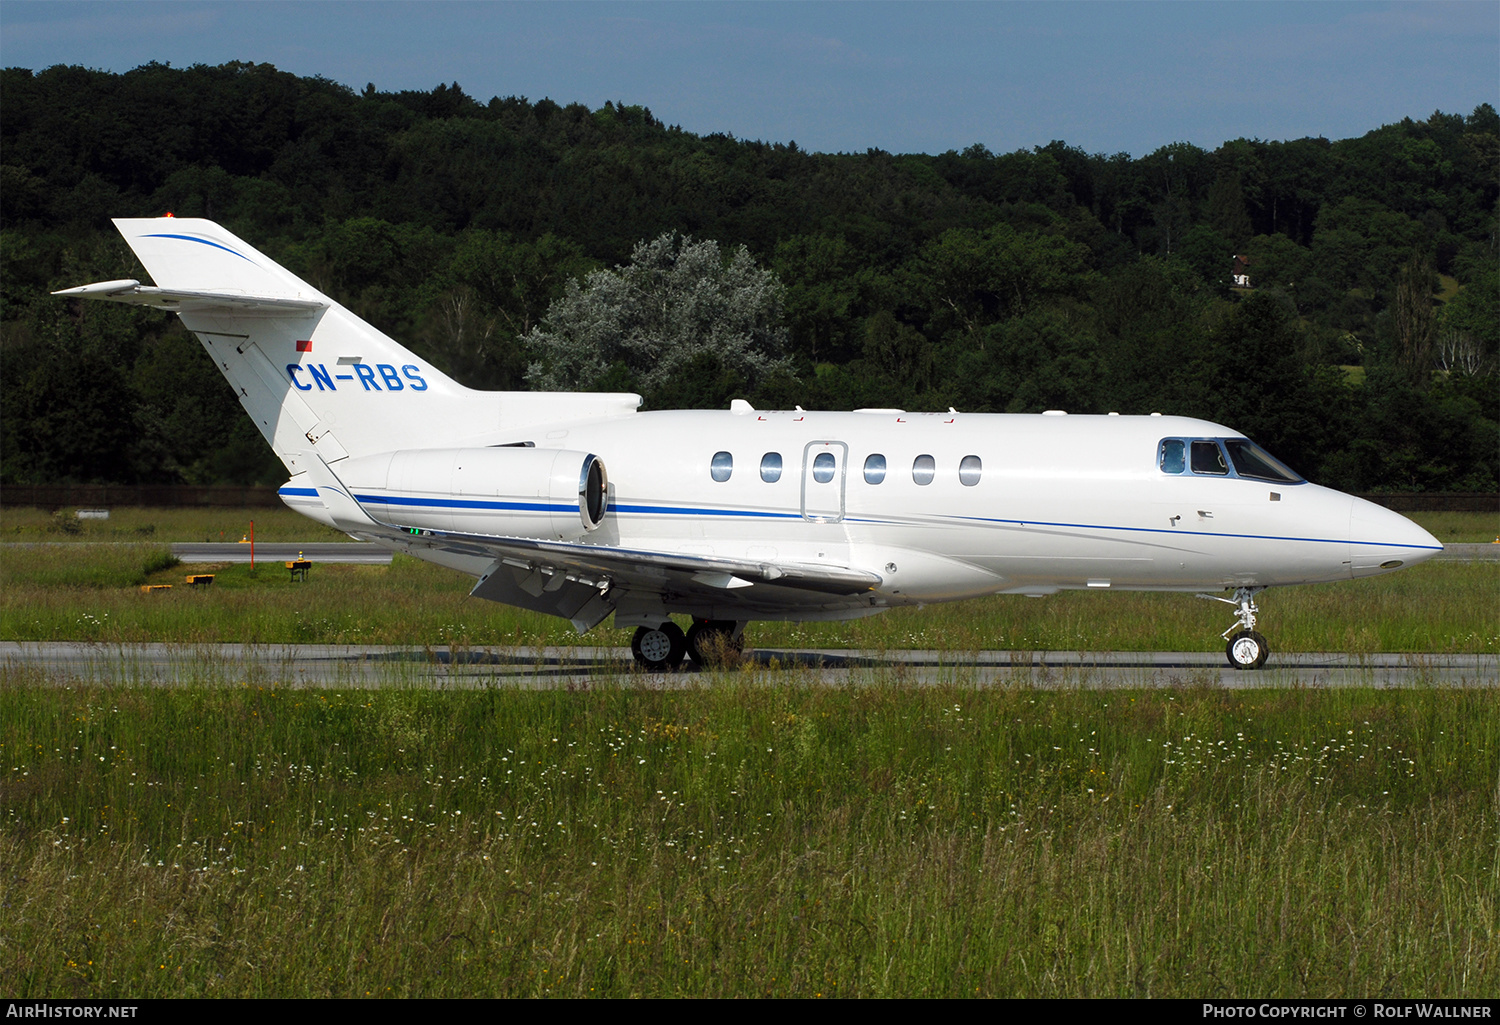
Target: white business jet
x,y
579,506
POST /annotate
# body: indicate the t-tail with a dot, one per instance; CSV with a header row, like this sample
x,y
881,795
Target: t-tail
x,y
323,386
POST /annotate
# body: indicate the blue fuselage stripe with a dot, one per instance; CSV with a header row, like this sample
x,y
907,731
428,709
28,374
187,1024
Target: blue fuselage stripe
x,y
680,510
676,510
1201,533
463,503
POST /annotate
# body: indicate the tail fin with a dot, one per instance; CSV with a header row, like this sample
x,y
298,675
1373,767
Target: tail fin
x,y
320,383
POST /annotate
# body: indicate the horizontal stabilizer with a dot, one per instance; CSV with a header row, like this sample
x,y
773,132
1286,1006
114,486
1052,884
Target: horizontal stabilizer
x,y
133,292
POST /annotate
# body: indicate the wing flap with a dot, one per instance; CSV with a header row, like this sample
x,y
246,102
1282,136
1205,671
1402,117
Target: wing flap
x,y
592,564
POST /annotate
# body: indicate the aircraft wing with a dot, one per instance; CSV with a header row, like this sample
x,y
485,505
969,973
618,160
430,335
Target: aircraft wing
x,y
585,582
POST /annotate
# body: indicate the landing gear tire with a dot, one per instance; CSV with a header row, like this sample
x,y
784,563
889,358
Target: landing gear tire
x,y
713,642
1247,650
659,649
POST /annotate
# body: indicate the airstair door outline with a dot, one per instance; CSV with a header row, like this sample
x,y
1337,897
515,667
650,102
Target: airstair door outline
x,y
823,464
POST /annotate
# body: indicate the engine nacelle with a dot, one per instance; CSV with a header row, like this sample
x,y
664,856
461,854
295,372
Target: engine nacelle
x,y
512,491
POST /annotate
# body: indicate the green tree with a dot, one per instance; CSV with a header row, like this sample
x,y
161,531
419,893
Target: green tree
x,y
974,278
1226,208
1468,329
1412,315
495,291
1263,387
824,283
679,306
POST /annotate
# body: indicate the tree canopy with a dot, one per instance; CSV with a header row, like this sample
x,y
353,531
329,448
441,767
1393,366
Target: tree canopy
x,y
678,308
523,244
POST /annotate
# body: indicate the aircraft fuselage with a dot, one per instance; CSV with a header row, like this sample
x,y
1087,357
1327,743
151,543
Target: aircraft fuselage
x,y
1026,504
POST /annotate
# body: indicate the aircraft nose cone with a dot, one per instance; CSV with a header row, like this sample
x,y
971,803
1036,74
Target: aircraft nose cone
x,y
1381,540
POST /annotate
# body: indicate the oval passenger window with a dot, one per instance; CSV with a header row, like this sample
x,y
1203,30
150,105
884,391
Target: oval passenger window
x,y
969,471
923,468
770,467
721,467
823,467
874,469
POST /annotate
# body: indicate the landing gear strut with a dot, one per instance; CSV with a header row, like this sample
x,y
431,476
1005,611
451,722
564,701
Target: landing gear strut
x,y
659,648
712,642
1246,649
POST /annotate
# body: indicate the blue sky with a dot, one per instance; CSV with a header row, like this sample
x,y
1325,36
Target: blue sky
x,y
904,77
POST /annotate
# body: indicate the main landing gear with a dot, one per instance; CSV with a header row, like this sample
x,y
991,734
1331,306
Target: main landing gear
x,y
714,642
658,648
708,642
1246,649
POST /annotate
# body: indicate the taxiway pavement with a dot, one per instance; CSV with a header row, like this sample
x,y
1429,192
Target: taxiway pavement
x,y
360,552
334,665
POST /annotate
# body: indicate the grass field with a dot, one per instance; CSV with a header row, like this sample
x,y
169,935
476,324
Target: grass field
x,y
162,525
89,593
742,833
739,839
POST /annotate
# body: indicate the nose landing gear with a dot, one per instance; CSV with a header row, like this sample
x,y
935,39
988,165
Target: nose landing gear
x,y
1246,649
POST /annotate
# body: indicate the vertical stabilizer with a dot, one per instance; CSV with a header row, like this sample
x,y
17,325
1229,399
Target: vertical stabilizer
x,y
320,383
316,379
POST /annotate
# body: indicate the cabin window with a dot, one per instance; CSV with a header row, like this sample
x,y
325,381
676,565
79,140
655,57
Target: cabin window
x,y
721,467
923,469
1209,458
1173,457
1250,460
770,467
874,469
823,466
969,471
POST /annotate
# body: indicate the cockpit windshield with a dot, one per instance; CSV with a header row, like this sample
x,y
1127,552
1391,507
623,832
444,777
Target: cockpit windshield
x,y
1250,460
1222,457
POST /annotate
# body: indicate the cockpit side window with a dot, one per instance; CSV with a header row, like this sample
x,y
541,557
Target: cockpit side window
x,y
1208,458
1173,458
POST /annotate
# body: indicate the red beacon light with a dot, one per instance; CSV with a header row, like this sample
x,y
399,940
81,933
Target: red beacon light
x,y
167,214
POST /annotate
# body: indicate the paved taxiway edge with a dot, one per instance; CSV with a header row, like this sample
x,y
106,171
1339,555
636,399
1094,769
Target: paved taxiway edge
x,y
332,665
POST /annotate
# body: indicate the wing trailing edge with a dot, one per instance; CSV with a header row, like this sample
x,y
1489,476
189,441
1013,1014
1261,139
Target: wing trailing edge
x,y
601,561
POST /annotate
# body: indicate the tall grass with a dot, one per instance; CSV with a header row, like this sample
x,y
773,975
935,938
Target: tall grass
x,y
739,838
1459,527
131,524
74,570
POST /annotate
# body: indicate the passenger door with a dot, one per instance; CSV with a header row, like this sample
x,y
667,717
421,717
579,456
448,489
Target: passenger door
x,y
823,481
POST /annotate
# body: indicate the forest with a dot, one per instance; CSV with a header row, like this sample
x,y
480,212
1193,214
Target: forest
x,y
1360,342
